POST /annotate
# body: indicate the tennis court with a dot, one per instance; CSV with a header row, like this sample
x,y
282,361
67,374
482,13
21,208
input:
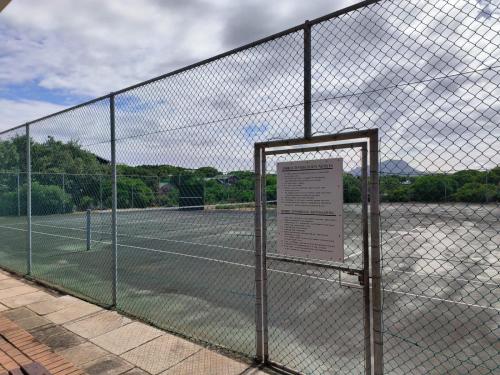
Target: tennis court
x,y
193,272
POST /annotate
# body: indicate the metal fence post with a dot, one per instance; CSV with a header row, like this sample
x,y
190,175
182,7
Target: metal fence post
x,y
307,81
28,198
263,201
113,198
258,258
378,363
366,261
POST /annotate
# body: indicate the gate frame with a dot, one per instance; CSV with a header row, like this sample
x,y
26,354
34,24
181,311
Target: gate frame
x,y
373,311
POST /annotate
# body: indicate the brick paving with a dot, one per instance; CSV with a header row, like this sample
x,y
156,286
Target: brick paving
x,y
20,351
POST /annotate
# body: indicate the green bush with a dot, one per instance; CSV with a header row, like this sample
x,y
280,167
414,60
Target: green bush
x,y
8,204
45,200
48,200
352,188
477,193
85,203
131,193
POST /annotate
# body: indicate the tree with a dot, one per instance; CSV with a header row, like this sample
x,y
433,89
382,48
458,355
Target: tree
x,y
207,172
352,188
433,188
477,193
131,193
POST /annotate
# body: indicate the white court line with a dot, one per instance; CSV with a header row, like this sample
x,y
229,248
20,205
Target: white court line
x,y
272,270
442,300
149,238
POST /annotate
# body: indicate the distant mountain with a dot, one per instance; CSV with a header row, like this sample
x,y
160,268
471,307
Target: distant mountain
x,y
392,167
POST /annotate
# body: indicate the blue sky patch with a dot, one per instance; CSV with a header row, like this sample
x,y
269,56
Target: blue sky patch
x,y
31,90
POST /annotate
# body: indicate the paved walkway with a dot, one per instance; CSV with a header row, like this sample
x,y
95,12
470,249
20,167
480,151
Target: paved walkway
x,y
22,354
103,342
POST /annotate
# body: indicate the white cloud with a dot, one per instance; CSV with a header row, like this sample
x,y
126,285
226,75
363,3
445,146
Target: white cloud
x,y
14,112
201,117
93,47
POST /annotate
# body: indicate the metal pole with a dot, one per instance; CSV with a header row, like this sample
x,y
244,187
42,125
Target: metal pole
x,y
264,259
375,256
258,257
132,197
307,80
18,195
366,260
100,192
89,231
113,198
64,191
28,199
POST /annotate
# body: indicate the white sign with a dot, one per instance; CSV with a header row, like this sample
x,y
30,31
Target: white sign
x,y
310,205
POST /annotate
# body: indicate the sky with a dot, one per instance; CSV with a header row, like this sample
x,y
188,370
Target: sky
x,y
426,73
59,53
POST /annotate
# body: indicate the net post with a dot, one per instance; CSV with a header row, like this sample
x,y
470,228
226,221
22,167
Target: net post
x,y
28,199
100,192
18,194
307,81
89,231
114,243
378,363
258,257
64,191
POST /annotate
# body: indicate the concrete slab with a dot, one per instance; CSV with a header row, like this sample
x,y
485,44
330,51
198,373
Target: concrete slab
x,y
109,365
126,338
74,311
97,324
33,322
83,353
47,307
19,313
161,353
206,362
10,282
26,299
57,338
16,291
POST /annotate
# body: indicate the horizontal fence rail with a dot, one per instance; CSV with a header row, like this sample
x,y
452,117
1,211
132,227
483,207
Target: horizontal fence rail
x,y
143,200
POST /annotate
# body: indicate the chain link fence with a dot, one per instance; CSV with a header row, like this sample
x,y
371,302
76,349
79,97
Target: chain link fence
x,y
143,200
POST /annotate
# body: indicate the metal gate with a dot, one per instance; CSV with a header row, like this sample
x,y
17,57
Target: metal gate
x,y
317,316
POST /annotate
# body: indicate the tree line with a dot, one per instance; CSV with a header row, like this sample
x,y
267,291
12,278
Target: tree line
x,y
65,178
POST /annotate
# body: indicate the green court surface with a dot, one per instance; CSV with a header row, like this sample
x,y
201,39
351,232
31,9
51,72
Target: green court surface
x,y
193,272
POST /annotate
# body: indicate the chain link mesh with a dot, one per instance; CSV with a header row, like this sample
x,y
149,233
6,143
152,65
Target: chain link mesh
x,y
13,188
196,274
425,73
70,174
